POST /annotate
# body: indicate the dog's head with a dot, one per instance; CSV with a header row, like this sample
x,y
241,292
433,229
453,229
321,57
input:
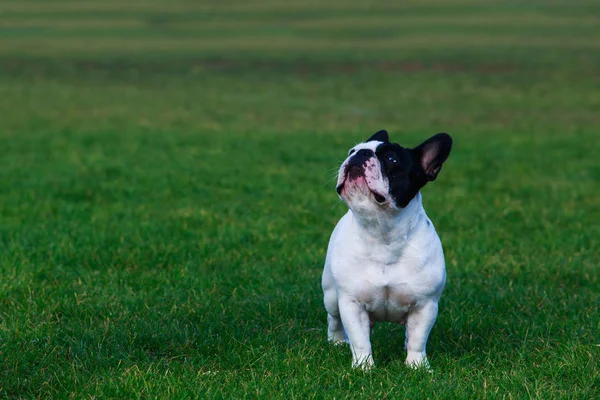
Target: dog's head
x,y
381,175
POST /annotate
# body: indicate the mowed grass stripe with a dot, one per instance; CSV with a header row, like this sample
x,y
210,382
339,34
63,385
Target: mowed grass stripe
x,y
430,6
132,29
285,11
52,23
372,23
116,6
285,43
183,20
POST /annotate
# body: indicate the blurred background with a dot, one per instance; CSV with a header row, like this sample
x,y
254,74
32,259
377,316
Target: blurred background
x,y
341,65
166,191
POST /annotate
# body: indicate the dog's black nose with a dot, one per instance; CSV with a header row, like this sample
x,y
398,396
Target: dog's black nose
x,y
365,153
360,157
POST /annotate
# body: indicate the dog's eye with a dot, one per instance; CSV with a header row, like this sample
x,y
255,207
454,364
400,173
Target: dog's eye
x,y
351,152
391,157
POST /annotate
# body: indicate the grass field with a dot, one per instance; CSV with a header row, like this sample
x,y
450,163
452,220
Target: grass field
x,y
165,194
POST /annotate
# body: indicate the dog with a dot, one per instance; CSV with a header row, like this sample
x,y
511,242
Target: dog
x,y
385,260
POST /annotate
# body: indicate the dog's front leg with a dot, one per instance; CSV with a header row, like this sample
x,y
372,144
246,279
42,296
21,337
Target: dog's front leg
x,y
418,326
356,322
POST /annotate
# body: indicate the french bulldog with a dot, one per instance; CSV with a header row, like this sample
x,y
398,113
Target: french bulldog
x,y
385,261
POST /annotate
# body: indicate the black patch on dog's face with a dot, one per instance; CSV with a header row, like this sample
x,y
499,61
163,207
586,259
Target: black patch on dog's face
x,y
408,170
405,176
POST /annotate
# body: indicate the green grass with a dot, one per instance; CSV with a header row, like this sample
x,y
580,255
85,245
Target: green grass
x,y
165,194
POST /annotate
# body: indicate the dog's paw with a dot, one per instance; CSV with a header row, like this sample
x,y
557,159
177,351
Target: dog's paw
x,y
418,361
337,338
366,363
337,342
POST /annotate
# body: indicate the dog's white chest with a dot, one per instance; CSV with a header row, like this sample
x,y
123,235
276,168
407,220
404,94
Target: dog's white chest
x,y
387,302
387,280
387,292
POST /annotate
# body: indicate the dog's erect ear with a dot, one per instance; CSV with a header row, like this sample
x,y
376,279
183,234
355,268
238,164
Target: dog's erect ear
x,y
381,136
432,153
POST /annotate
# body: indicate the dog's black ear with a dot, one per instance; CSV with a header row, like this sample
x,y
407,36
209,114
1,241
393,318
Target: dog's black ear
x,y
381,136
432,153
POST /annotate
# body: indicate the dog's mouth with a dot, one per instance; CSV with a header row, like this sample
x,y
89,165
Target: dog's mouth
x,y
354,173
378,198
351,173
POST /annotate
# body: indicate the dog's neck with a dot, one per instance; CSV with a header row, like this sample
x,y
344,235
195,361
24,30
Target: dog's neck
x,y
389,226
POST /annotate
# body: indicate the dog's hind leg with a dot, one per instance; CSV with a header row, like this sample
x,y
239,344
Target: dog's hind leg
x,y
335,330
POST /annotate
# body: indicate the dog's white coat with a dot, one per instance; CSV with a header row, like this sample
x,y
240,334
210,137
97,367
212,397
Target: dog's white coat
x,y
383,264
